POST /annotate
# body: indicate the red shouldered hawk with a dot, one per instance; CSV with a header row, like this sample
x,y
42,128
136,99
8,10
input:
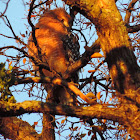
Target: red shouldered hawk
x,y
59,49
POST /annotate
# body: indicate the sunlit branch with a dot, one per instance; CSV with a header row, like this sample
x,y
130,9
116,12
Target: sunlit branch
x,y
56,81
15,128
15,109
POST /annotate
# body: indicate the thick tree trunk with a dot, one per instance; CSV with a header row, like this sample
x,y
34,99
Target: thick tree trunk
x,y
48,132
48,127
115,43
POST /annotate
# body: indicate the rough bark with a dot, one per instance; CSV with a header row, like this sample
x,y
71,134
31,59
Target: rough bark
x,y
48,127
16,129
48,121
115,114
119,114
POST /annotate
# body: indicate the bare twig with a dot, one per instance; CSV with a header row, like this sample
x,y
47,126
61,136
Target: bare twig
x,y
7,36
82,35
8,24
43,65
13,47
47,2
129,10
2,14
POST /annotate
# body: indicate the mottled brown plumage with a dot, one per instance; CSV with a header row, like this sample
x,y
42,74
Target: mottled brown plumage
x,y
58,50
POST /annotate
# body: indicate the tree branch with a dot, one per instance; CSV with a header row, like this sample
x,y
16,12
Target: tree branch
x,y
132,29
43,65
15,129
129,10
56,81
119,114
2,14
47,2
86,57
8,24
104,112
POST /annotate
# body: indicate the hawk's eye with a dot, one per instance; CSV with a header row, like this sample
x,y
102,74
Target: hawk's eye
x,y
62,20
